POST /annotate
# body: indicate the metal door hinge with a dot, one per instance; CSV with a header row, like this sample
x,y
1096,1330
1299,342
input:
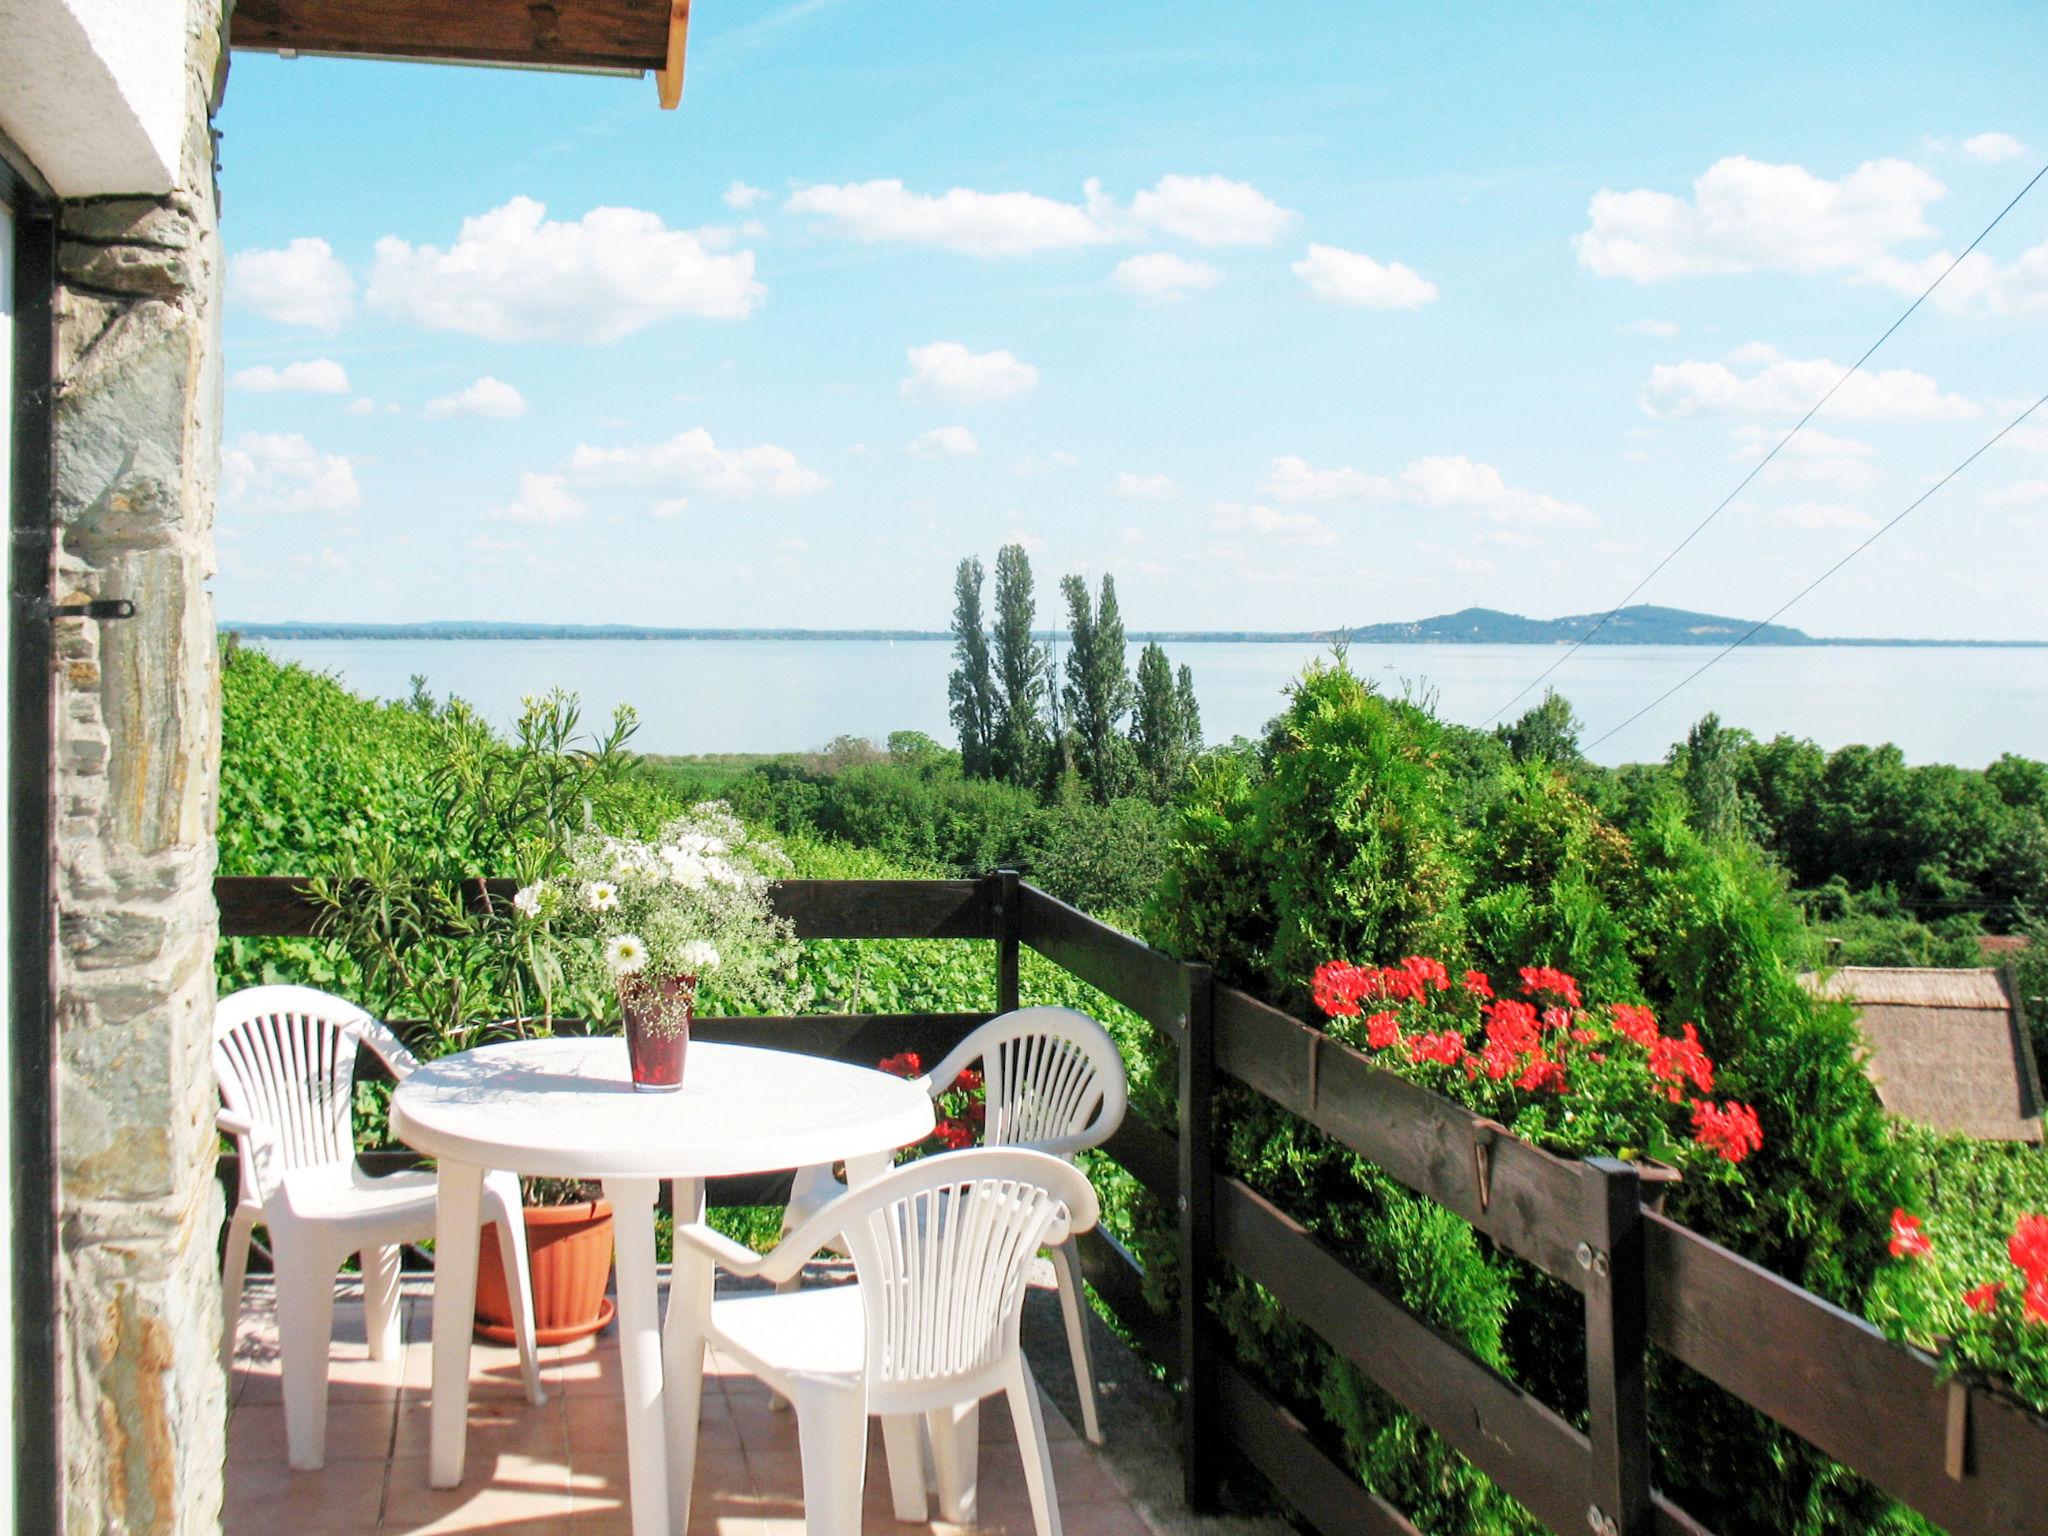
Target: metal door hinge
x,y
98,608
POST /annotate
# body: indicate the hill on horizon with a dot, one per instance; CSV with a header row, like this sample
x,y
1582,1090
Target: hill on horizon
x,y
1643,624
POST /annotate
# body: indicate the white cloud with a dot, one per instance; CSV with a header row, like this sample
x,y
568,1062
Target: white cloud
x,y
303,283
1993,147
1815,516
1135,487
1348,277
976,223
1204,210
1268,523
1813,455
691,460
319,376
2033,437
543,499
2019,494
740,195
1211,210
1980,285
514,274
282,472
1450,482
946,370
1788,386
1031,468
669,508
1651,328
486,397
1031,542
1749,216
1164,275
362,405
943,443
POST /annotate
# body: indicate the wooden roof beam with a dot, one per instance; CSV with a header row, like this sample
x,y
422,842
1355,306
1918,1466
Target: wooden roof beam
x,y
610,36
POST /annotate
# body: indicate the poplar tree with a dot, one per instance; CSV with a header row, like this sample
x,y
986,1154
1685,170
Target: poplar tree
x,y
971,688
1098,688
1022,672
1166,728
1190,715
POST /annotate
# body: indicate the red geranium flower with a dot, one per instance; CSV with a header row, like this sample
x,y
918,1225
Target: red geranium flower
x,y
968,1081
1424,969
1447,1048
1382,1030
1476,983
1635,1021
1984,1298
2036,1307
1908,1241
1674,1061
902,1064
1730,1130
1542,1075
954,1134
1336,988
2028,1248
1543,978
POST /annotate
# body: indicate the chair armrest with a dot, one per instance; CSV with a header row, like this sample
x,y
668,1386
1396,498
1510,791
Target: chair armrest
x,y
234,1124
722,1250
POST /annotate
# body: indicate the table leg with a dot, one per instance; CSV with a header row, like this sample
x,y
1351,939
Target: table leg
x,y
863,1171
457,1223
691,1279
640,1351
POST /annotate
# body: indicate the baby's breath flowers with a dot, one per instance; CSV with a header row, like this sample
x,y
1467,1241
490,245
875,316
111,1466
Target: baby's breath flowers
x,y
630,914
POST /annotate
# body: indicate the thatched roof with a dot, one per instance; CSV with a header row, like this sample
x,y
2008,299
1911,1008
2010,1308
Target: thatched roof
x,y
1948,1048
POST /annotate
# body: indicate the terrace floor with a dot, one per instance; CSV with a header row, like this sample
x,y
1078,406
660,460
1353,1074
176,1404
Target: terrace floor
x,y
561,1468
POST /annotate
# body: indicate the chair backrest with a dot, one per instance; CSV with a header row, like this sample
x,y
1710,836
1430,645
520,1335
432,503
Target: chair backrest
x,y
1054,1079
942,1247
285,1060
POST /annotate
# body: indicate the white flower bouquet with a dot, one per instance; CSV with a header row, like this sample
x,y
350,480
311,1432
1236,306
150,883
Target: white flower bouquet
x,y
653,922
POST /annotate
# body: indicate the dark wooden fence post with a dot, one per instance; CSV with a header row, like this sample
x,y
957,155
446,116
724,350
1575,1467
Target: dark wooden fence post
x,y
1617,1326
1007,948
1201,1427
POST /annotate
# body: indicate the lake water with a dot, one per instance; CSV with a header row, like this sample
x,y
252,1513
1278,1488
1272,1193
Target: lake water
x,y
1956,706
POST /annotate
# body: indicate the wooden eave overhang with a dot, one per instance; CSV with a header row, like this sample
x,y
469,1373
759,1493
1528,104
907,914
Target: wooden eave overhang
x,y
627,36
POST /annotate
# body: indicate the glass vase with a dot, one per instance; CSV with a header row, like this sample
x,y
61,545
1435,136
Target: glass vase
x,y
658,1011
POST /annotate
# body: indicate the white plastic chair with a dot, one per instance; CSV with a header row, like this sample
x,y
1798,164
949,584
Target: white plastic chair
x,y
941,1251
1055,1084
285,1061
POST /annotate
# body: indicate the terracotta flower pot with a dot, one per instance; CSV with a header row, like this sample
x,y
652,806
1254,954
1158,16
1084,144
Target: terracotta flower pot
x,y
569,1255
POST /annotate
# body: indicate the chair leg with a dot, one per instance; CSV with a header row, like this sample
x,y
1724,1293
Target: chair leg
x,y
1066,1264
305,1326
511,1224
903,1443
832,1433
1023,1394
234,1272
956,1454
380,1298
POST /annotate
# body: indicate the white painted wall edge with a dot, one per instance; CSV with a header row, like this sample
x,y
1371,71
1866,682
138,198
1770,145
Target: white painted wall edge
x,y
93,92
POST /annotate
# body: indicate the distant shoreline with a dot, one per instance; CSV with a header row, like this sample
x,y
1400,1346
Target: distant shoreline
x,y
484,631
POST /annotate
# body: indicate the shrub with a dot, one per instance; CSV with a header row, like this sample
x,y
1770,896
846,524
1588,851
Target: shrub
x,y
1363,828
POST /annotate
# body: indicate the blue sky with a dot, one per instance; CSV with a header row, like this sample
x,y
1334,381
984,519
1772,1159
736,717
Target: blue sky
x,y
1291,317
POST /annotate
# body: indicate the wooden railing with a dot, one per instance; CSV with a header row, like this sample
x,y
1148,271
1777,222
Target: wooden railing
x,y
1968,1459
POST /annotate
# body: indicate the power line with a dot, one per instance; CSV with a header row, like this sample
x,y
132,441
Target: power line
x,y
1762,463
1824,575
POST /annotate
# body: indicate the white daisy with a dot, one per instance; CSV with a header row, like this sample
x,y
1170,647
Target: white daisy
x,y
527,902
601,896
626,954
697,957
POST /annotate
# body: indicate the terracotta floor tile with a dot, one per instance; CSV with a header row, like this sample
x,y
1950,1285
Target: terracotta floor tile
x,y
497,1427
355,1432
266,1498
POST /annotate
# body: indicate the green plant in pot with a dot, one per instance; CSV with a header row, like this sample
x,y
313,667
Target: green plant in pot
x,y
424,944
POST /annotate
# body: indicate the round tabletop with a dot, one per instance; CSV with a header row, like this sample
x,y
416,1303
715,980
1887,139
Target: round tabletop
x,y
566,1108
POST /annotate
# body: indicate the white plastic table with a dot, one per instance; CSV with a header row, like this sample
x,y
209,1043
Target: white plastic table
x,y
566,1108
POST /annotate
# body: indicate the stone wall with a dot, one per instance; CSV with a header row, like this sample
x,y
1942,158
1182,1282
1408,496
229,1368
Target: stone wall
x,y
137,753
